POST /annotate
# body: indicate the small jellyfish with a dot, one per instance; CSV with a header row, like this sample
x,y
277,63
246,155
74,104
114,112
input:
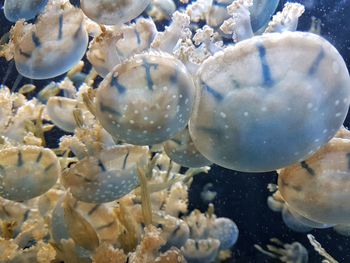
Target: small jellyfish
x,y
53,45
208,194
23,9
181,150
146,100
113,12
224,230
27,172
289,253
317,188
269,101
106,177
117,44
260,13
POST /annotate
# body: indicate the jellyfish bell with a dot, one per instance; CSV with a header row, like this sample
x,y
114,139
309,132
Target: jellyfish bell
x,y
224,230
269,101
15,10
146,99
27,172
106,177
51,46
317,188
113,12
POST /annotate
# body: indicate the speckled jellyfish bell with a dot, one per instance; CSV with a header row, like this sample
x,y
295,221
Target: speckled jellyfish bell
x,y
23,9
270,100
106,177
113,12
224,230
146,100
53,45
27,172
181,150
317,188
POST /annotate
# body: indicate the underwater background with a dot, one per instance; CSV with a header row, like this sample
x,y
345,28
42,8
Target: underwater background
x,y
242,196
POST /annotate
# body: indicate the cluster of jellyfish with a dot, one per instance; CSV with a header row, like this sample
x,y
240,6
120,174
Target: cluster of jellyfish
x,y
245,91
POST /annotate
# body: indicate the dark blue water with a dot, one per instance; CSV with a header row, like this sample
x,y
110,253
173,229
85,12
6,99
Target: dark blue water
x,y
241,196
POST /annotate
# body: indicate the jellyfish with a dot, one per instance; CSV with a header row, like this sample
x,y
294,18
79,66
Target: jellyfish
x,y
146,100
260,13
181,150
317,188
289,253
23,9
271,100
105,177
113,12
224,230
117,44
53,45
27,172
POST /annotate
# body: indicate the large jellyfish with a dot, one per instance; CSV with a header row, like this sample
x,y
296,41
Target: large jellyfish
x,y
270,100
27,172
18,9
53,45
113,12
146,100
106,177
318,188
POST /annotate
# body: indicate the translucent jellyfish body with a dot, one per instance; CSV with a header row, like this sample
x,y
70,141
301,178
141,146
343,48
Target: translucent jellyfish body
x,y
53,45
181,150
269,101
318,188
224,230
260,13
113,12
18,9
106,177
27,172
146,100
117,44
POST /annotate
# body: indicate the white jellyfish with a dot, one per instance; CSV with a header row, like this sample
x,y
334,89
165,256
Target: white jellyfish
x,y
15,10
27,172
106,177
270,100
113,12
53,45
146,100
